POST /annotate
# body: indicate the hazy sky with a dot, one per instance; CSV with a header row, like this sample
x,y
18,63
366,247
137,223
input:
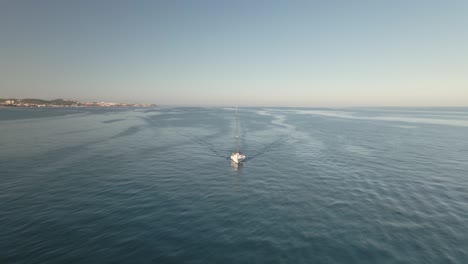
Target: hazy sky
x,y
265,53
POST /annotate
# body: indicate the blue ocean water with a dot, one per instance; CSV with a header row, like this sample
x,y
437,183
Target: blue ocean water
x,y
382,185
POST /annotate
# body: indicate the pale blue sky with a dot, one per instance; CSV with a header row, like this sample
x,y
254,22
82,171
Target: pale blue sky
x,y
258,53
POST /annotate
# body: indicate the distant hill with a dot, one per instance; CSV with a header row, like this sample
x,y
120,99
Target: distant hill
x,y
41,101
51,102
33,102
63,102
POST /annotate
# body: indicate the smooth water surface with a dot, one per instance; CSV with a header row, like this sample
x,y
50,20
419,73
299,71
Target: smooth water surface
x,y
387,185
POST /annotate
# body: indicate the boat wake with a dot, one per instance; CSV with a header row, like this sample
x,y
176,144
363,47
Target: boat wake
x,y
268,147
209,146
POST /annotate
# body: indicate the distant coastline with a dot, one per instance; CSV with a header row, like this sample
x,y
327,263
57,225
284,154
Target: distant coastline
x,y
33,103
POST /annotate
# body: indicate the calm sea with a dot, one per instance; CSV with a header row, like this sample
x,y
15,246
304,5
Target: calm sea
x,y
384,185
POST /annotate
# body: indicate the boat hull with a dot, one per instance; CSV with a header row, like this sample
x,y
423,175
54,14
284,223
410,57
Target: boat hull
x,y
237,157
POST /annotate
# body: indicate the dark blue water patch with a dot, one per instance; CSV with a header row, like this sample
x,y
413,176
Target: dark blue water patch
x,y
128,131
17,113
113,120
29,113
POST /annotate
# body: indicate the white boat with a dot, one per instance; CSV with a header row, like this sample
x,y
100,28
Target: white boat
x,y
237,157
